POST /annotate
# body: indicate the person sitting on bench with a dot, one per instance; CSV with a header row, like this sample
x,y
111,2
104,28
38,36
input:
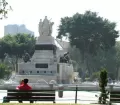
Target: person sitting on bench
x,y
24,86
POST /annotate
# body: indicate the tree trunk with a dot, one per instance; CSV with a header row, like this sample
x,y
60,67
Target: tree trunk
x,y
14,66
16,63
117,72
2,60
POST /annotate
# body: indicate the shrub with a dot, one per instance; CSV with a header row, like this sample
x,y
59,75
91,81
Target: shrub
x,y
102,84
4,72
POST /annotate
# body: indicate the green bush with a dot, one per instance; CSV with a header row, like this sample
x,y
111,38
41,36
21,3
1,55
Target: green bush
x,y
102,84
95,76
87,79
4,72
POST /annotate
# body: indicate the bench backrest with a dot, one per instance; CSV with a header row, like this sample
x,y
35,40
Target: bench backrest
x,y
115,96
35,93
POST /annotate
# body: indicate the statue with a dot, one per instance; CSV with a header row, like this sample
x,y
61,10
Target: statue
x,y
51,24
26,57
40,27
65,58
45,27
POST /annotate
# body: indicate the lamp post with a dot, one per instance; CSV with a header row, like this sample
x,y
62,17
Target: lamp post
x,y
75,80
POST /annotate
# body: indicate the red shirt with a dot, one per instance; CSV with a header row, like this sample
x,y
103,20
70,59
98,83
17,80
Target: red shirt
x,y
24,87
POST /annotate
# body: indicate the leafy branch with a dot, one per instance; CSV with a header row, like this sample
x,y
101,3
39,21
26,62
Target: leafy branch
x,y
4,8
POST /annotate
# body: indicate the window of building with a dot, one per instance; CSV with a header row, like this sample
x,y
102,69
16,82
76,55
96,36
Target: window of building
x,y
37,71
44,71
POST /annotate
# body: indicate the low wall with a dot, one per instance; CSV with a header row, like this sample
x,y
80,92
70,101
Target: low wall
x,y
64,87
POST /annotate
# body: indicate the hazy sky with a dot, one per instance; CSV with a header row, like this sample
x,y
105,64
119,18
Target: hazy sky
x,y
29,12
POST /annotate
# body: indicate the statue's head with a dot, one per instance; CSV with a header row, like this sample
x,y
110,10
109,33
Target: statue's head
x,y
52,23
40,20
45,17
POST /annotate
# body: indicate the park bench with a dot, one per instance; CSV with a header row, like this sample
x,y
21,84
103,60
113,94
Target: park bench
x,y
114,97
31,95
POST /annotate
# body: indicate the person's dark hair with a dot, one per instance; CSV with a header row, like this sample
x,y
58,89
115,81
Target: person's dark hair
x,y
26,81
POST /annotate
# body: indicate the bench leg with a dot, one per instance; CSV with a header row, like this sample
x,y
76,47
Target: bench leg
x,y
20,101
31,101
54,101
109,103
5,100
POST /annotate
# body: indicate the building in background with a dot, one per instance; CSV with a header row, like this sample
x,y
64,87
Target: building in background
x,y
14,29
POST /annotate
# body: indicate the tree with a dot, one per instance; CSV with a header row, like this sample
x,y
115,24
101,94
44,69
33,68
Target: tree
x,y
117,58
88,32
107,59
4,8
4,48
18,44
4,71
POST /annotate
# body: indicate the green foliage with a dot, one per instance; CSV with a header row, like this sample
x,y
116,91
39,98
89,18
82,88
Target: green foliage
x,y
95,75
105,59
87,79
4,48
3,71
117,59
88,32
4,8
95,37
15,45
102,84
75,56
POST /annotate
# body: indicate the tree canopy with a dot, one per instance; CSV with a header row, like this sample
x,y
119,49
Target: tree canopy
x,y
88,32
15,46
95,37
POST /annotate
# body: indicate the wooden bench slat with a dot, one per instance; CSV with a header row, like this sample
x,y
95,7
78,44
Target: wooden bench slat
x,y
31,90
32,98
115,92
115,97
33,94
111,100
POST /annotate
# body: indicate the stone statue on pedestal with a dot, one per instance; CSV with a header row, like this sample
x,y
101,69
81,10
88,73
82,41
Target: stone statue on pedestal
x,y
26,57
45,27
